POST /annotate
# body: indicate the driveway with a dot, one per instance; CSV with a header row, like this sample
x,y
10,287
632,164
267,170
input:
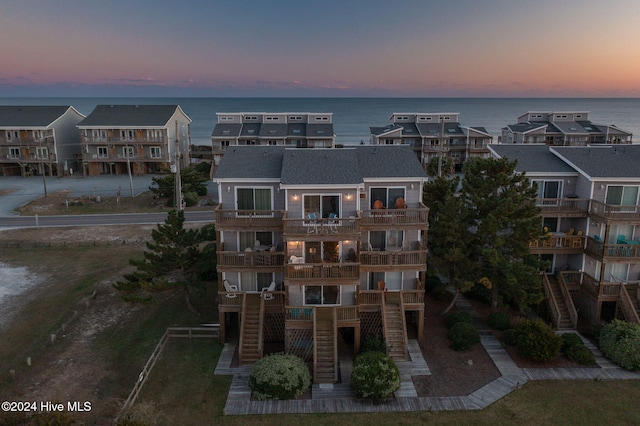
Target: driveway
x,y
17,191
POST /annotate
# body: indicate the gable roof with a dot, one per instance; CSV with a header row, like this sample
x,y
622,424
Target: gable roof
x,y
610,161
532,158
320,166
31,116
131,116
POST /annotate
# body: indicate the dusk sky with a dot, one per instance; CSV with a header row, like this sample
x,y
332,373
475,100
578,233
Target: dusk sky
x,y
417,48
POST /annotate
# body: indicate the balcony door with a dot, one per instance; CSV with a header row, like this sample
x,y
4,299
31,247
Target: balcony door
x,y
253,199
392,280
548,191
322,205
619,195
388,196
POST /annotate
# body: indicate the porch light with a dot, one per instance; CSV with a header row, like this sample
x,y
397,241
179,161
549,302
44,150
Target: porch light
x,y
348,196
295,197
228,189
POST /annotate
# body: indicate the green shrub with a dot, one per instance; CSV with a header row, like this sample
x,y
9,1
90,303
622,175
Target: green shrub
x,y
374,375
459,316
536,340
279,376
581,355
620,342
570,340
499,321
373,343
190,198
508,337
463,336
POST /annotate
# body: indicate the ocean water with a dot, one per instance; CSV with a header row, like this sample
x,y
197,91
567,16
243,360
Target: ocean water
x,y
352,117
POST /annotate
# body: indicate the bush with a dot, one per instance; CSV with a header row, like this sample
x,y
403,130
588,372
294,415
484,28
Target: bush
x,y
508,337
574,349
537,341
463,336
620,342
279,376
190,198
456,317
373,343
374,375
499,321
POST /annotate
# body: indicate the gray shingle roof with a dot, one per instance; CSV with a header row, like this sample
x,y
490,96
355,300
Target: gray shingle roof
x,y
297,129
377,131
532,158
227,130
319,130
30,116
610,161
331,166
129,115
273,130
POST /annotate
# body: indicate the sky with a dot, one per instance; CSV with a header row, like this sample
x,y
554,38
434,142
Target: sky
x,y
291,48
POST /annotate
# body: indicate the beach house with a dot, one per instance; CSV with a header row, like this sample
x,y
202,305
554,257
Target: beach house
x,y
143,138
568,128
434,135
320,246
293,129
590,225
38,140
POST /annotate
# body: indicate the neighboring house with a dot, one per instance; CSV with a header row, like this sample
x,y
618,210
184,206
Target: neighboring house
x,y
142,137
294,129
315,241
591,212
38,140
434,135
571,128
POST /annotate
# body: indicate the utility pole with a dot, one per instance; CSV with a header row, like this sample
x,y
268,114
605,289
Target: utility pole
x,y
178,180
129,170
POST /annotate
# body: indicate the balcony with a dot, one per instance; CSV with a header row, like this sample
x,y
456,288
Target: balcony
x,y
479,147
564,207
392,258
614,213
558,244
312,229
248,219
241,261
613,252
310,273
119,141
382,219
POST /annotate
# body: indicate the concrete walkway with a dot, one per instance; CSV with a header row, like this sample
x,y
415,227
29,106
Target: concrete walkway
x,y
340,399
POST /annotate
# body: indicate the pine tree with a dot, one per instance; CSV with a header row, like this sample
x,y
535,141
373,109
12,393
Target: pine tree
x,y
504,218
448,235
170,262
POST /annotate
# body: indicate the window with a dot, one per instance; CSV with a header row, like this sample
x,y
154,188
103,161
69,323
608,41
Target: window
x,y
321,295
14,152
249,239
154,135
127,151
386,240
251,281
254,198
392,280
548,191
388,196
619,195
42,153
322,205
156,152
103,152
126,135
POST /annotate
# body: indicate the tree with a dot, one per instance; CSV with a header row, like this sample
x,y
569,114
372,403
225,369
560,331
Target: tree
x,y
504,218
193,185
440,166
448,235
170,262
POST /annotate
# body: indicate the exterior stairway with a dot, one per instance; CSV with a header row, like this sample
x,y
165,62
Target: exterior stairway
x,y
394,333
325,340
250,350
632,290
565,322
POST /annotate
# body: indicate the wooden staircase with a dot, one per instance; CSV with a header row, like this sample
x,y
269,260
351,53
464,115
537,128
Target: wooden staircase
x,y
325,347
250,349
632,291
395,334
565,318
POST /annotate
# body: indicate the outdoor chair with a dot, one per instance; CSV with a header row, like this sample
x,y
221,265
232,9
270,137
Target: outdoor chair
x,y
313,223
230,288
266,291
333,223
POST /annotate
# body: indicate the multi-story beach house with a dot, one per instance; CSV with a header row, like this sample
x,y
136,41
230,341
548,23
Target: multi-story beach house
x,y
567,128
294,129
143,138
38,140
591,226
434,135
318,244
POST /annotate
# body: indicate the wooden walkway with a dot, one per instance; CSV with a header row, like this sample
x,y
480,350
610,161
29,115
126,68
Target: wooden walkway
x,y
339,398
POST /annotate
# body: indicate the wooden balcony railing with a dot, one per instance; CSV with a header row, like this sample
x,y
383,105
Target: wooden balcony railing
x,y
322,271
555,243
297,313
231,298
370,297
615,213
392,217
250,259
326,227
622,252
120,141
385,258
412,297
248,218
566,206
345,314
